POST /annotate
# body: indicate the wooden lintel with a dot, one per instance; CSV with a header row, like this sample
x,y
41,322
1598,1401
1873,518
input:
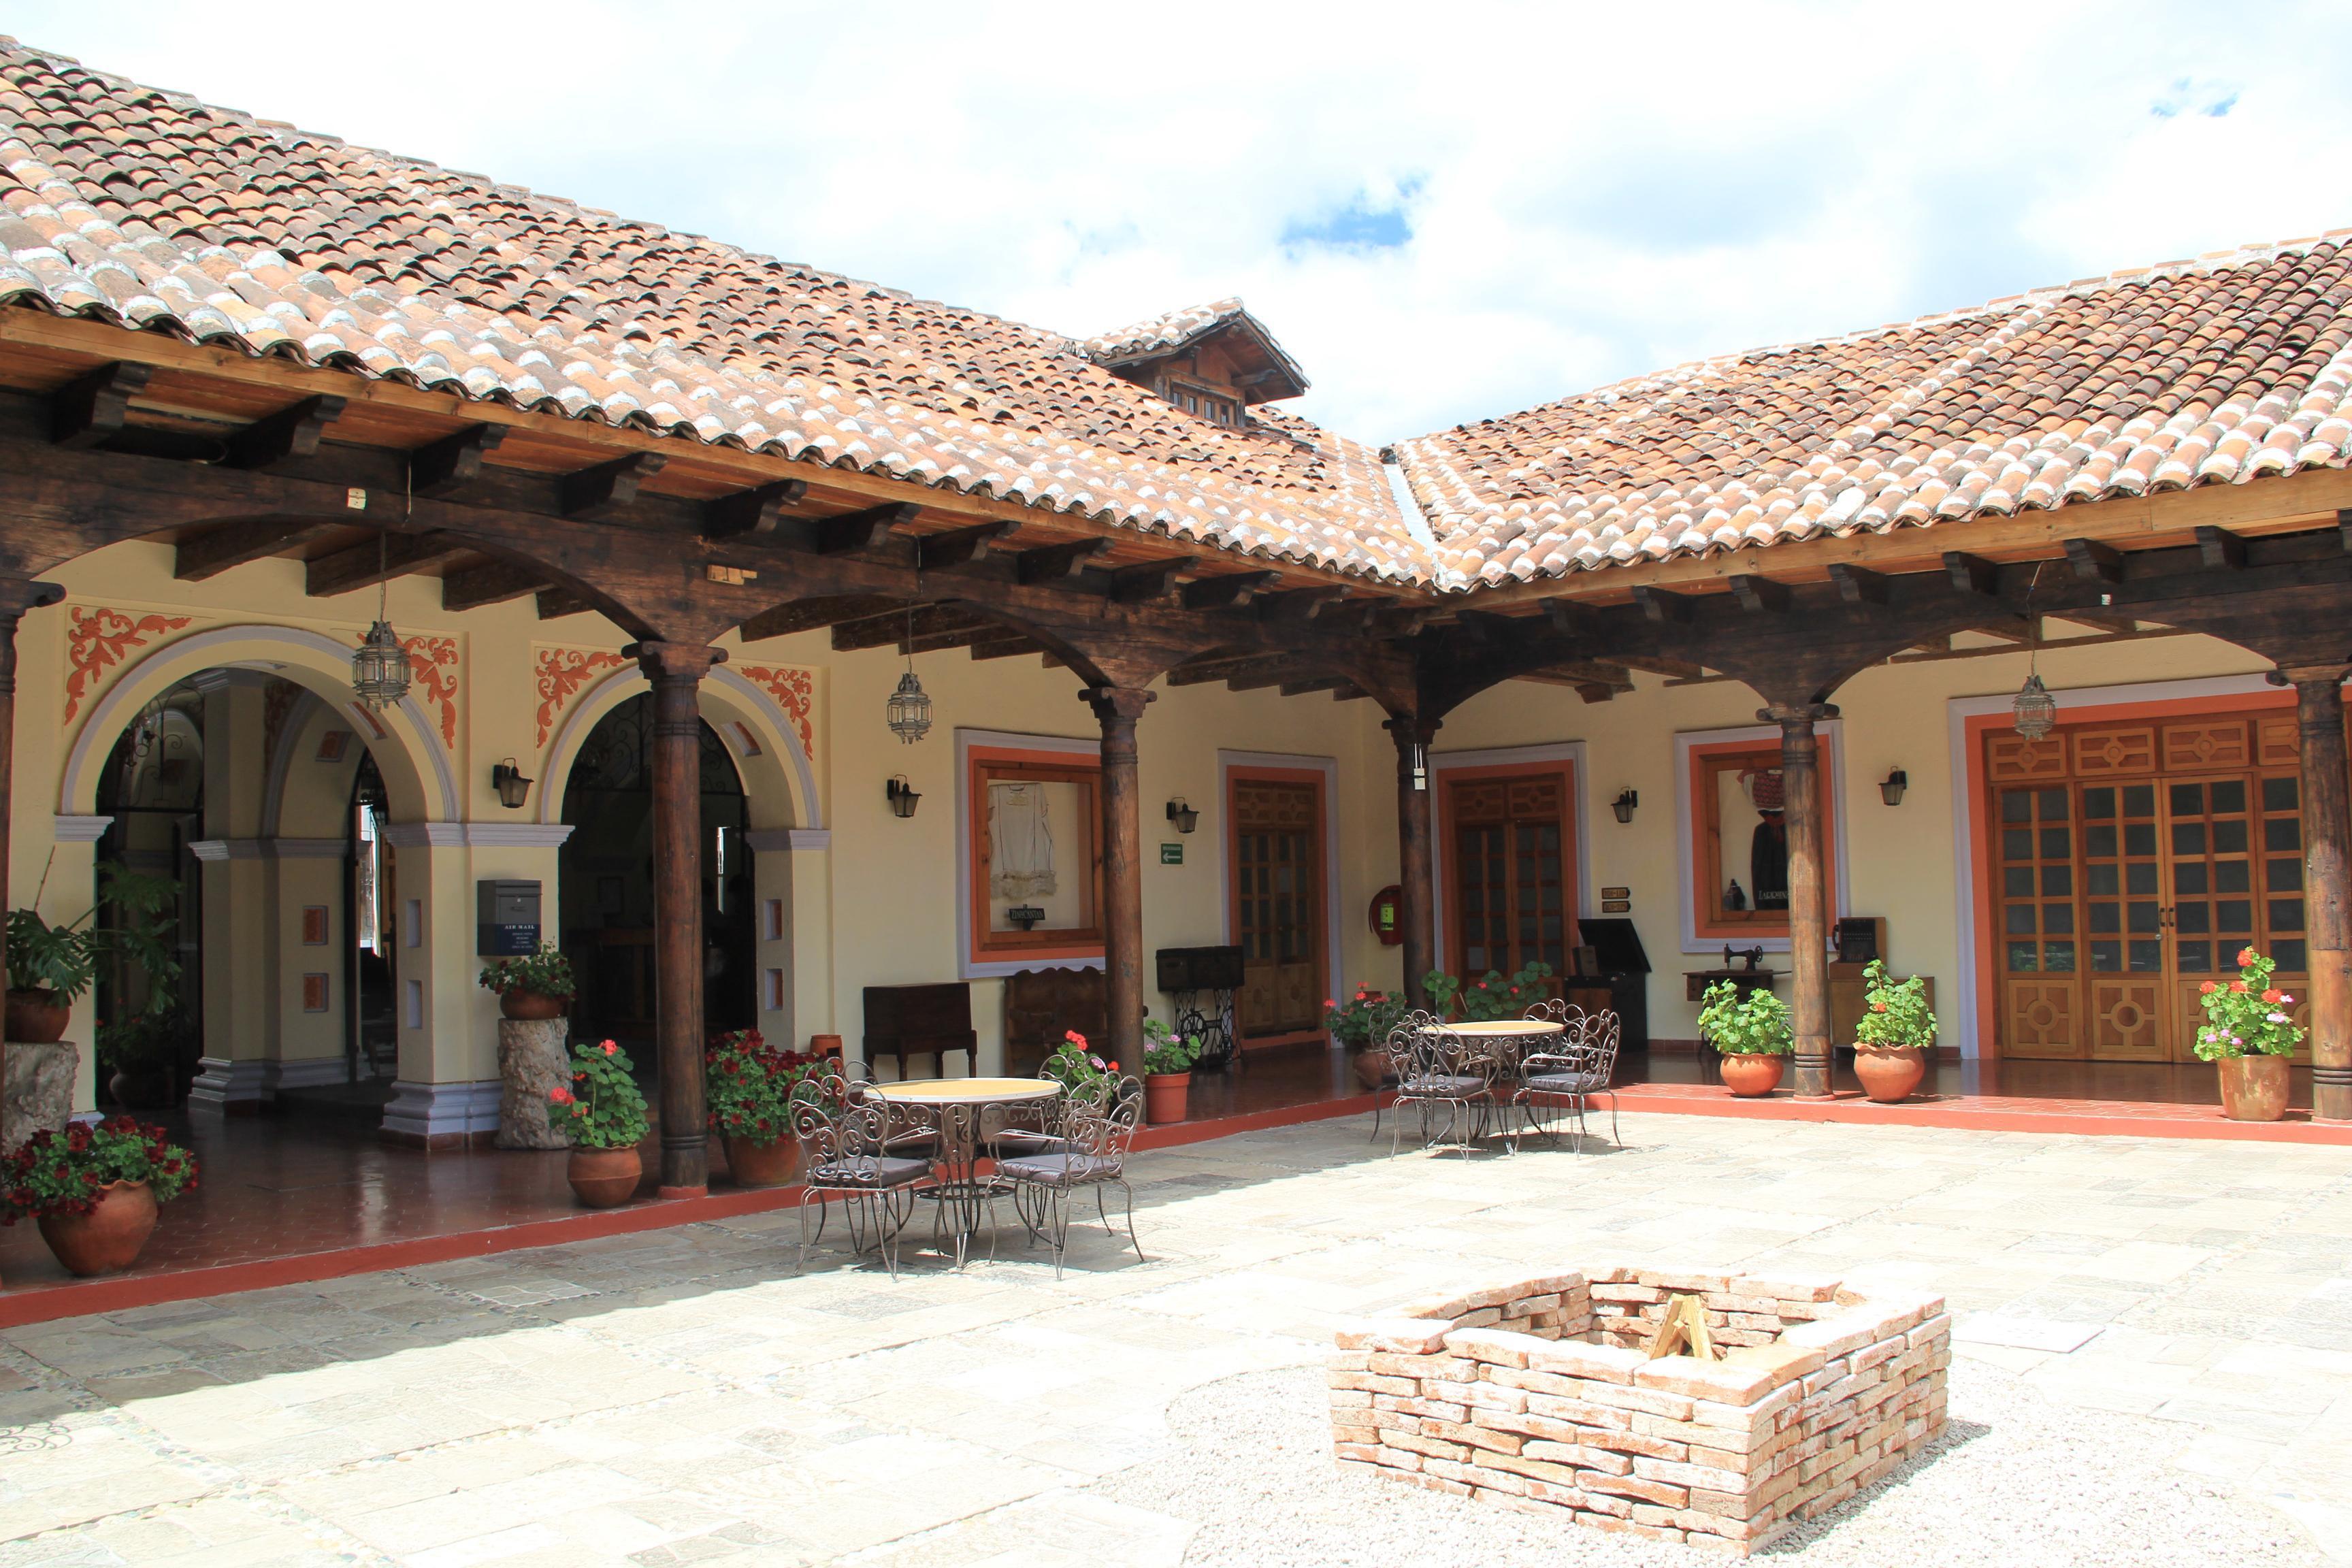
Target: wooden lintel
x,y
1231,590
2222,549
854,531
85,411
2095,561
556,603
1308,687
491,583
1757,593
1595,691
1147,580
892,628
214,551
1293,603
1662,606
1661,664
812,614
1006,647
365,565
752,513
1209,671
1858,585
1055,563
610,484
958,545
440,467
291,431
1972,573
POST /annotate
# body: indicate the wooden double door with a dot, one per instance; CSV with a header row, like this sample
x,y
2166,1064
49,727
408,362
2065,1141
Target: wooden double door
x,y
1510,904
1279,898
2131,862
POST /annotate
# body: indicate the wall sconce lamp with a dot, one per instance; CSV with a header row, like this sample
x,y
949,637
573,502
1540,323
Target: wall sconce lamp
x,y
1624,804
1183,816
901,795
1891,788
512,787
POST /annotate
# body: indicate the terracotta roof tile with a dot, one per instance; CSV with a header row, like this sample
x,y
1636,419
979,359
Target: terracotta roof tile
x,y
2218,370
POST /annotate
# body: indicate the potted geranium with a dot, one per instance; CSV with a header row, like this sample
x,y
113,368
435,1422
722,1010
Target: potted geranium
x,y
1363,1024
606,1116
1168,1059
1897,1031
533,985
95,1190
2248,1036
1483,1000
1749,1030
747,1088
1073,1066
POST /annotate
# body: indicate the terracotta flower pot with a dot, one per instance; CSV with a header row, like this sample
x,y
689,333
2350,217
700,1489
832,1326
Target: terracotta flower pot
x,y
1166,1097
1371,1066
110,1237
37,1018
1752,1074
530,1005
772,1164
1889,1073
143,1090
2254,1089
604,1178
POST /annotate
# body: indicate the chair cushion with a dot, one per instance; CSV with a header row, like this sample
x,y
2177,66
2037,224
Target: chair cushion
x,y
1058,1169
1567,1083
1443,1087
868,1172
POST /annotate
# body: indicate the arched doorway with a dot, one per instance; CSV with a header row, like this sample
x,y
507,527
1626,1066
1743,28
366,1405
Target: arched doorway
x,y
607,887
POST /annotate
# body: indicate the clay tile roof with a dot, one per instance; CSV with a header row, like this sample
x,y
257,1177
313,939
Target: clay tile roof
x,y
1179,329
152,210
2218,370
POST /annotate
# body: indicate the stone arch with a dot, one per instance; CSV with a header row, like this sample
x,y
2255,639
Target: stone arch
x,y
419,777
779,778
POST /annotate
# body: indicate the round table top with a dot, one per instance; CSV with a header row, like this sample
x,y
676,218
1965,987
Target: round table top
x,y
969,1091
1503,1028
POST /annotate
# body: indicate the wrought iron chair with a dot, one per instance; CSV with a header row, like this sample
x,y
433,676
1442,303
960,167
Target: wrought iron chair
x,y
1400,1036
1438,1067
844,1133
910,1134
1095,1141
1582,1069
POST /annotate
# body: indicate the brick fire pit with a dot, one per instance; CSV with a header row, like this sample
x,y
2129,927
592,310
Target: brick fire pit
x,y
1540,1394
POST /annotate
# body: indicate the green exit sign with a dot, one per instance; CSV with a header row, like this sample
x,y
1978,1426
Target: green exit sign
x,y
1171,853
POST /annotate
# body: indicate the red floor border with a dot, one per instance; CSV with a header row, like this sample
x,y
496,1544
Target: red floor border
x,y
2116,1119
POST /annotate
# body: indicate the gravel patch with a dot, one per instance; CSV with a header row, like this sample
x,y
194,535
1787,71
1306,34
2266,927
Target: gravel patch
x,y
2015,1480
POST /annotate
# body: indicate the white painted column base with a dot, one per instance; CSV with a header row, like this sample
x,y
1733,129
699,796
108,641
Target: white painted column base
x,y
309,1072
441,1115
224,1085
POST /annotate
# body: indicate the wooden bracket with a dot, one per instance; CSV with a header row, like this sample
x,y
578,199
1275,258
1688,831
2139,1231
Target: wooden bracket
x,y
291,431
1662,607
439,466
1755,593
585,491
1055,563
1146,580
2221,548
1858,585
555,603
85,411
2093,562
1972,573
859,530
1230,591
751,513
958,545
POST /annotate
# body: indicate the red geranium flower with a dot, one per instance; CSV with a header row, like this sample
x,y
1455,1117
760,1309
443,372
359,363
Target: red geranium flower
x,y
2239,985
560,1096
2247,955
2208,988
2273,995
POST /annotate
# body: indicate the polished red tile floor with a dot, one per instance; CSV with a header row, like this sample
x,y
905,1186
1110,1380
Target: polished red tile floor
x,y
292,1197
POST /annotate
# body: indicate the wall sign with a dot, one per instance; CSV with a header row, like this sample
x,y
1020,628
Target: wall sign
x,y
1171,853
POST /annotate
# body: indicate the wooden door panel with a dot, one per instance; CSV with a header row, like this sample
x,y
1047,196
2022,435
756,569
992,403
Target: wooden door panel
x,y
2126,1018
2190,748
2043,1021
2129,749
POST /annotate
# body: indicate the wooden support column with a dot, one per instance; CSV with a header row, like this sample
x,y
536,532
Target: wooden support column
x,y
1416,890
1117,708
1808,900
2326,884
677,672
16,596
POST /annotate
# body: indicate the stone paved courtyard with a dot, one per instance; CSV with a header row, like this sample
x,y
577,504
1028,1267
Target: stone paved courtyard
x,y
680,1397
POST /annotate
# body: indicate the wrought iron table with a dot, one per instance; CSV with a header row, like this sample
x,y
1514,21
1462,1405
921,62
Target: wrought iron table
x,y
957,1109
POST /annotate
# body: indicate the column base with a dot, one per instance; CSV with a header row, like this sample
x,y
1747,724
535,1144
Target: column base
x,y
2331,1094
442,1115
231,1087
305,1072
1813,1077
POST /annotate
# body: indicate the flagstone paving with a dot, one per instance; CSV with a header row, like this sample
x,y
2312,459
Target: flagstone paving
x,y
682,1396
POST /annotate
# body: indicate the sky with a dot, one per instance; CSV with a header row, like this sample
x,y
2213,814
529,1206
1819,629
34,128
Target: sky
x,y
1444,212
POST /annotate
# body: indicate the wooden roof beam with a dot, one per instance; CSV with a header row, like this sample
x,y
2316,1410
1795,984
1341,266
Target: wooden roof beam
x,y
86,411
554,603
756,512
438,468
1972,573
860,530
812,614
365,565
893,627
1206,671
1231,590
1004,648
1663,607
1049,563
2223,550
584,492
291,431
490,583
1858,585
1309,686
1149,580
1758,594
934,551
2095,561
217,550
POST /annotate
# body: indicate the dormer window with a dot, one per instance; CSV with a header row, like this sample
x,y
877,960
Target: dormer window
x,y
1213,362
1219,408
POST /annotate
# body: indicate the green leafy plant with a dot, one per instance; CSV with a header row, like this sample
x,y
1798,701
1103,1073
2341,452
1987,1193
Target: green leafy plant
x,y
1894,1014
65,958
546,972
144,1040
67,1173
1754,1023
748,1085
1073,1066
603,1108
1480,1001
1367,1018
2249,1015
1166,1052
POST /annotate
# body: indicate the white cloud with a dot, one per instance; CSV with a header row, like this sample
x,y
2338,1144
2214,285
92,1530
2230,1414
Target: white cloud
x,y
1591,192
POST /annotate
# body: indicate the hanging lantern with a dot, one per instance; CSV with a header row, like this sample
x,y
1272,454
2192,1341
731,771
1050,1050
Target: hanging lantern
x,y
2036,710
910,710
380,668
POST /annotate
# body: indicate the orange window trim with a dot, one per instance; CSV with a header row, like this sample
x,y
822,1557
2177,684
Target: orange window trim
x,y
1705,835
984,763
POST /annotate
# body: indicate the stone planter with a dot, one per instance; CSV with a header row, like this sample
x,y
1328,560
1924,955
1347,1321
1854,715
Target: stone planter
x,y
531,1005
37,1018
1752,1074
604,1178
37,1086
1167,1097
1372,1068
531,1061
1889,1073
110,1237
773,1165
2254,1089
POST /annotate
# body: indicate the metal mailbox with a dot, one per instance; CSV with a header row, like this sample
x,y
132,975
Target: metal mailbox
x,y
506,919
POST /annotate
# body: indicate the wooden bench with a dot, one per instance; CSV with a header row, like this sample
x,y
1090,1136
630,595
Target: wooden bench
x,y
904,1021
